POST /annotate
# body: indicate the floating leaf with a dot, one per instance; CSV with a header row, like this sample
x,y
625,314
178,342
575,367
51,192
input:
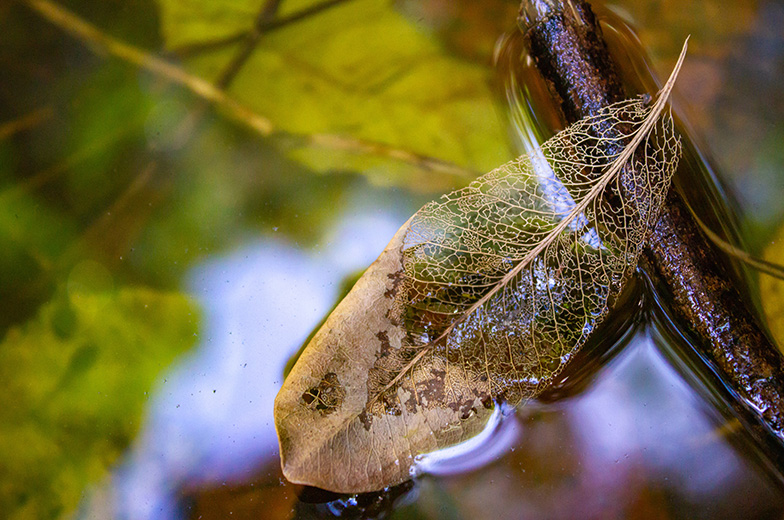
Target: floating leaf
x,y
481,297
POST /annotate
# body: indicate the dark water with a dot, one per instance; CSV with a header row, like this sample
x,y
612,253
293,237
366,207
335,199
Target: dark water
x,y
638,430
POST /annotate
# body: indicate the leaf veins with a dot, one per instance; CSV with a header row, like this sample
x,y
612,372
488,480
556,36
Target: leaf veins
x,y
482,296
468,256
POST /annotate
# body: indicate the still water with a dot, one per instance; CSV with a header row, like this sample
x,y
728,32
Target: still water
x,y
641,441
642,437
636,433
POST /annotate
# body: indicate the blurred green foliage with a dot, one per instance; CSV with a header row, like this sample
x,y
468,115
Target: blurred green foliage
x,y
76,379
358,69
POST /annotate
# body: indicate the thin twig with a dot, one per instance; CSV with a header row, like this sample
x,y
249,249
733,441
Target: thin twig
x,y
99,40
184,131
26,122
266,14
97,229
189,50
228,74
90,34
194,49
47,175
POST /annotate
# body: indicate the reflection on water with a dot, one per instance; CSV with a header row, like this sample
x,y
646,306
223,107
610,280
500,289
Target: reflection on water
x,y
660,427
211,421
638,443
501,433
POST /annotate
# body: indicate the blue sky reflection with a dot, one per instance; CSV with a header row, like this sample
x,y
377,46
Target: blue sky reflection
x,y
211,420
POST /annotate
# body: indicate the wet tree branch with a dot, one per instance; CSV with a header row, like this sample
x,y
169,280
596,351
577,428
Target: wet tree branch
x,y
566,43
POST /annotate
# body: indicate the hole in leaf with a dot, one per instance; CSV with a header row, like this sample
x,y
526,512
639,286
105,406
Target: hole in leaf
x,y
327,396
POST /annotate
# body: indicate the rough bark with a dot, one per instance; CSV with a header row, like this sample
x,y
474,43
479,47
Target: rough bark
x,y
566,43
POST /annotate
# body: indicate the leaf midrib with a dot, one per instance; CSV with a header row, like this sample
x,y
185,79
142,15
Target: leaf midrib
x,y
639,135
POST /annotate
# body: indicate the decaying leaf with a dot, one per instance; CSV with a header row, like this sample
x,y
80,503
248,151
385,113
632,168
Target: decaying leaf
x,y
479,298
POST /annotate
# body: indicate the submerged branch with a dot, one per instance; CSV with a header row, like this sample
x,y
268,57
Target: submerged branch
x,y
103,43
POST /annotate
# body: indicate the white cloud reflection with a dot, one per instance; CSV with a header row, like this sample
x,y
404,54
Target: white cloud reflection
x,y
212,417
211,420
644,414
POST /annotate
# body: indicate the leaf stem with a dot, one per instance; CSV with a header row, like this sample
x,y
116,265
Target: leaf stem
x,y
26,122
769,268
